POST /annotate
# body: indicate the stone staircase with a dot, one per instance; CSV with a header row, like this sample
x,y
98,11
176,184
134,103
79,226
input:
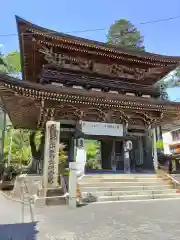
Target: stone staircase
x,y
124,187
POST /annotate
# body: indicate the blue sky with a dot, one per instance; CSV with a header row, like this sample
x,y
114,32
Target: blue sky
x,y
70,15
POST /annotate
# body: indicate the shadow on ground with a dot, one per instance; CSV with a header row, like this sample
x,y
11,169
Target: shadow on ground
x,y
18,231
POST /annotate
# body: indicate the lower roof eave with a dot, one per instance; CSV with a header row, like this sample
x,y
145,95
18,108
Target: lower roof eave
x,y
22,101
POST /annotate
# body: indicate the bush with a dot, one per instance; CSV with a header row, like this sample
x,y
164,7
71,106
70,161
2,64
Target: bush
x,y
9,173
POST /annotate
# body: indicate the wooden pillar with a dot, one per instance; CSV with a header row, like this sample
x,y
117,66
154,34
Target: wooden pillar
x,y
113,155
148,149
71,150
140,143
155,156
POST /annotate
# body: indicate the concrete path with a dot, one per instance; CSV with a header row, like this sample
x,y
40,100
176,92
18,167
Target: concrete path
x,y
148,220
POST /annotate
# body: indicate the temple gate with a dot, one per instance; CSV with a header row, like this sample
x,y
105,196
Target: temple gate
x,y
73,81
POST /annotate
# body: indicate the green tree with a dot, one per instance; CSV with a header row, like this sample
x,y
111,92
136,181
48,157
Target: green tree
x,y
10,64
3,65
123,33
92,152
172,80
13,63
16,146
161,88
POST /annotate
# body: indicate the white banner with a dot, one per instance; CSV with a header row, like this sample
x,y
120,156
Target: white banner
x,y
101,129
80,161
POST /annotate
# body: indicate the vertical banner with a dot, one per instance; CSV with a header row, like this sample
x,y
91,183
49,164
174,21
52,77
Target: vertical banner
x,y
159,140
80,156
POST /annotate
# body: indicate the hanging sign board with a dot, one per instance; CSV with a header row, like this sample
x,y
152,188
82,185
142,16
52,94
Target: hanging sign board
x,y
101,128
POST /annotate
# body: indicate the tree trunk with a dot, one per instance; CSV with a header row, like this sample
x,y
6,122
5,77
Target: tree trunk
x,y
36,164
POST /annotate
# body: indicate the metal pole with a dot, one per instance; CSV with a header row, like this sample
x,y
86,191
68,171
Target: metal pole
x,y
22,202
29,201
21,139
3,134
10,149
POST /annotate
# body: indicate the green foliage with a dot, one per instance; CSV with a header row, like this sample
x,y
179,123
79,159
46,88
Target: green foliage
x,y
11,63
62,158
20,146
123,33
3,66
159,144
37,138
161,88
93,157
177,76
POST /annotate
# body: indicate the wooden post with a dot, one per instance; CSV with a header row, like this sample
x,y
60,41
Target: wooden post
x,y
155,156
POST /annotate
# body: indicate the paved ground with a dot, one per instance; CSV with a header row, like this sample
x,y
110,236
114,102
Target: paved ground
x,y
130,221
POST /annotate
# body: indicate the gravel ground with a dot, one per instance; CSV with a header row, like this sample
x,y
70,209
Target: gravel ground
x,y
124,220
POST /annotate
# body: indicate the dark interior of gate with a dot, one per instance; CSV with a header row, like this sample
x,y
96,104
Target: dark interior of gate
x,y
70,79
111,150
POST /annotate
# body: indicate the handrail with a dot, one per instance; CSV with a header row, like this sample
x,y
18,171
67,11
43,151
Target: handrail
x,y
174,181
24,191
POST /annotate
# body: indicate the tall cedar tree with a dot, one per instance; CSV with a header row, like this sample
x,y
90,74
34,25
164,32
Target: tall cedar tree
x,y
123,33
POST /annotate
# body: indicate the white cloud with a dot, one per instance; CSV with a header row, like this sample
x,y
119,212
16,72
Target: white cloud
x,y
1,45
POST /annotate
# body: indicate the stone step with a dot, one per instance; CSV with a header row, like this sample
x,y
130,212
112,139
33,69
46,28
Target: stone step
x,y
117,180
55,200
122,193
137,197
119,176
50,192
125,187
122,188
54,192
116,184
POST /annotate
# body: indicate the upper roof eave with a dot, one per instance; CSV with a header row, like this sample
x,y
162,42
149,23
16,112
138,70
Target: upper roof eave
x,y
99,45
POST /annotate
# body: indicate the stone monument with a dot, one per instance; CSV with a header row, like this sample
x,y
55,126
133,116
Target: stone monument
x,y
51,155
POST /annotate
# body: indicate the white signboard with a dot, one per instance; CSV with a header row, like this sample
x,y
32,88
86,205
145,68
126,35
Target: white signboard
x,y
80,161
101,129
